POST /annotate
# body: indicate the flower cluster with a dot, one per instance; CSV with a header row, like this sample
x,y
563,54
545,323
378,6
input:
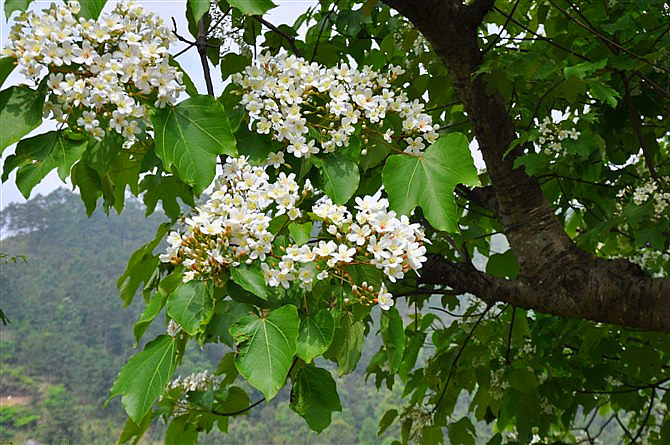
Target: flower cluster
x,y
551,136
287,96
650,188
375,236
232,227
195,382
98,73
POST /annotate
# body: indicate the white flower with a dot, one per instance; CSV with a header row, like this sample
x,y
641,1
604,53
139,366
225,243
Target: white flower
x,y
384,298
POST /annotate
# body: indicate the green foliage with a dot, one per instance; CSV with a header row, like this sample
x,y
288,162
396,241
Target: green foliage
x,y
429,180
91,9
20,112
252,7
142,380
190,305
189,137
315,336
266,348
314,396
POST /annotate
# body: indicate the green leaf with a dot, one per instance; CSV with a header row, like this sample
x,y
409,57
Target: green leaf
x,y
316,334
315,397
393,336
386,421
257,146
252,7
462,432
266,347
250,277
582,69
100,154
91,9
190,305
199,8
345,349
190,136
15,5
141,266
503,265
604,92
301,233
166,189
233,63
339,176
7,65
144,377
20,113
35,157
130,429
429,180
124,171
89,184
150,312
226,367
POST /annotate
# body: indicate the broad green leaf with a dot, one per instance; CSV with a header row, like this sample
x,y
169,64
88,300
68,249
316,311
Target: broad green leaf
x,y
190,136
503,265
144,377
429,180
20,113
199,8
7,65
250,277
130,429
393,336
462,432
35,157
266,347
141,266
315,397
345,349
233,63
226,367
252,7
316,333
257,146
15,5
166,189
301,233
100,154
387,420
604,92
151,310
181,432
124,171
339,177
190,305
89,184
226,313
91,9
582,69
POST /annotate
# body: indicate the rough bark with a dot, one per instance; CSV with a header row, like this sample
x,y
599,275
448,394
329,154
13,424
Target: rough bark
x,y
556,276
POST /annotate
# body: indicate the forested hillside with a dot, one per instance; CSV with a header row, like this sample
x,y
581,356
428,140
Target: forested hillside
x,y
69,336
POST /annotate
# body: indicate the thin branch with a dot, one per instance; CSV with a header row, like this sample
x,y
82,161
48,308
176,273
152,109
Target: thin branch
x,y
610,43
504,28
509,336
454,365
273,28
223,16
646,417
635,121
623,427
179,37
323,25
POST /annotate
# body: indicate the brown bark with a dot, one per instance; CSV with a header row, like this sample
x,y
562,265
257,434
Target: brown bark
x,y
556,276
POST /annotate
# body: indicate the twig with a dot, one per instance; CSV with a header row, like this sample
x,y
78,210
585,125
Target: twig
x,y
323,25
646,417
509,17
460,352
635,121
273,28
509,336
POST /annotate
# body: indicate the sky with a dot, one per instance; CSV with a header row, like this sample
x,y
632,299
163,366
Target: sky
x,y
285,12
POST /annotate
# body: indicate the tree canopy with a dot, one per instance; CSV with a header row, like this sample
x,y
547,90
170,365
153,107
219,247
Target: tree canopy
x,y
342,151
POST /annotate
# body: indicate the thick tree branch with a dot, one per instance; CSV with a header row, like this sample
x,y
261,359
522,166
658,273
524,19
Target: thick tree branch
x,y
556,277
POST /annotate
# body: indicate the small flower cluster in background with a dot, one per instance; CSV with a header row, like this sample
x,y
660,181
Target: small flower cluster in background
x,y
232,227
649,189
551,136
98,73
287,96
